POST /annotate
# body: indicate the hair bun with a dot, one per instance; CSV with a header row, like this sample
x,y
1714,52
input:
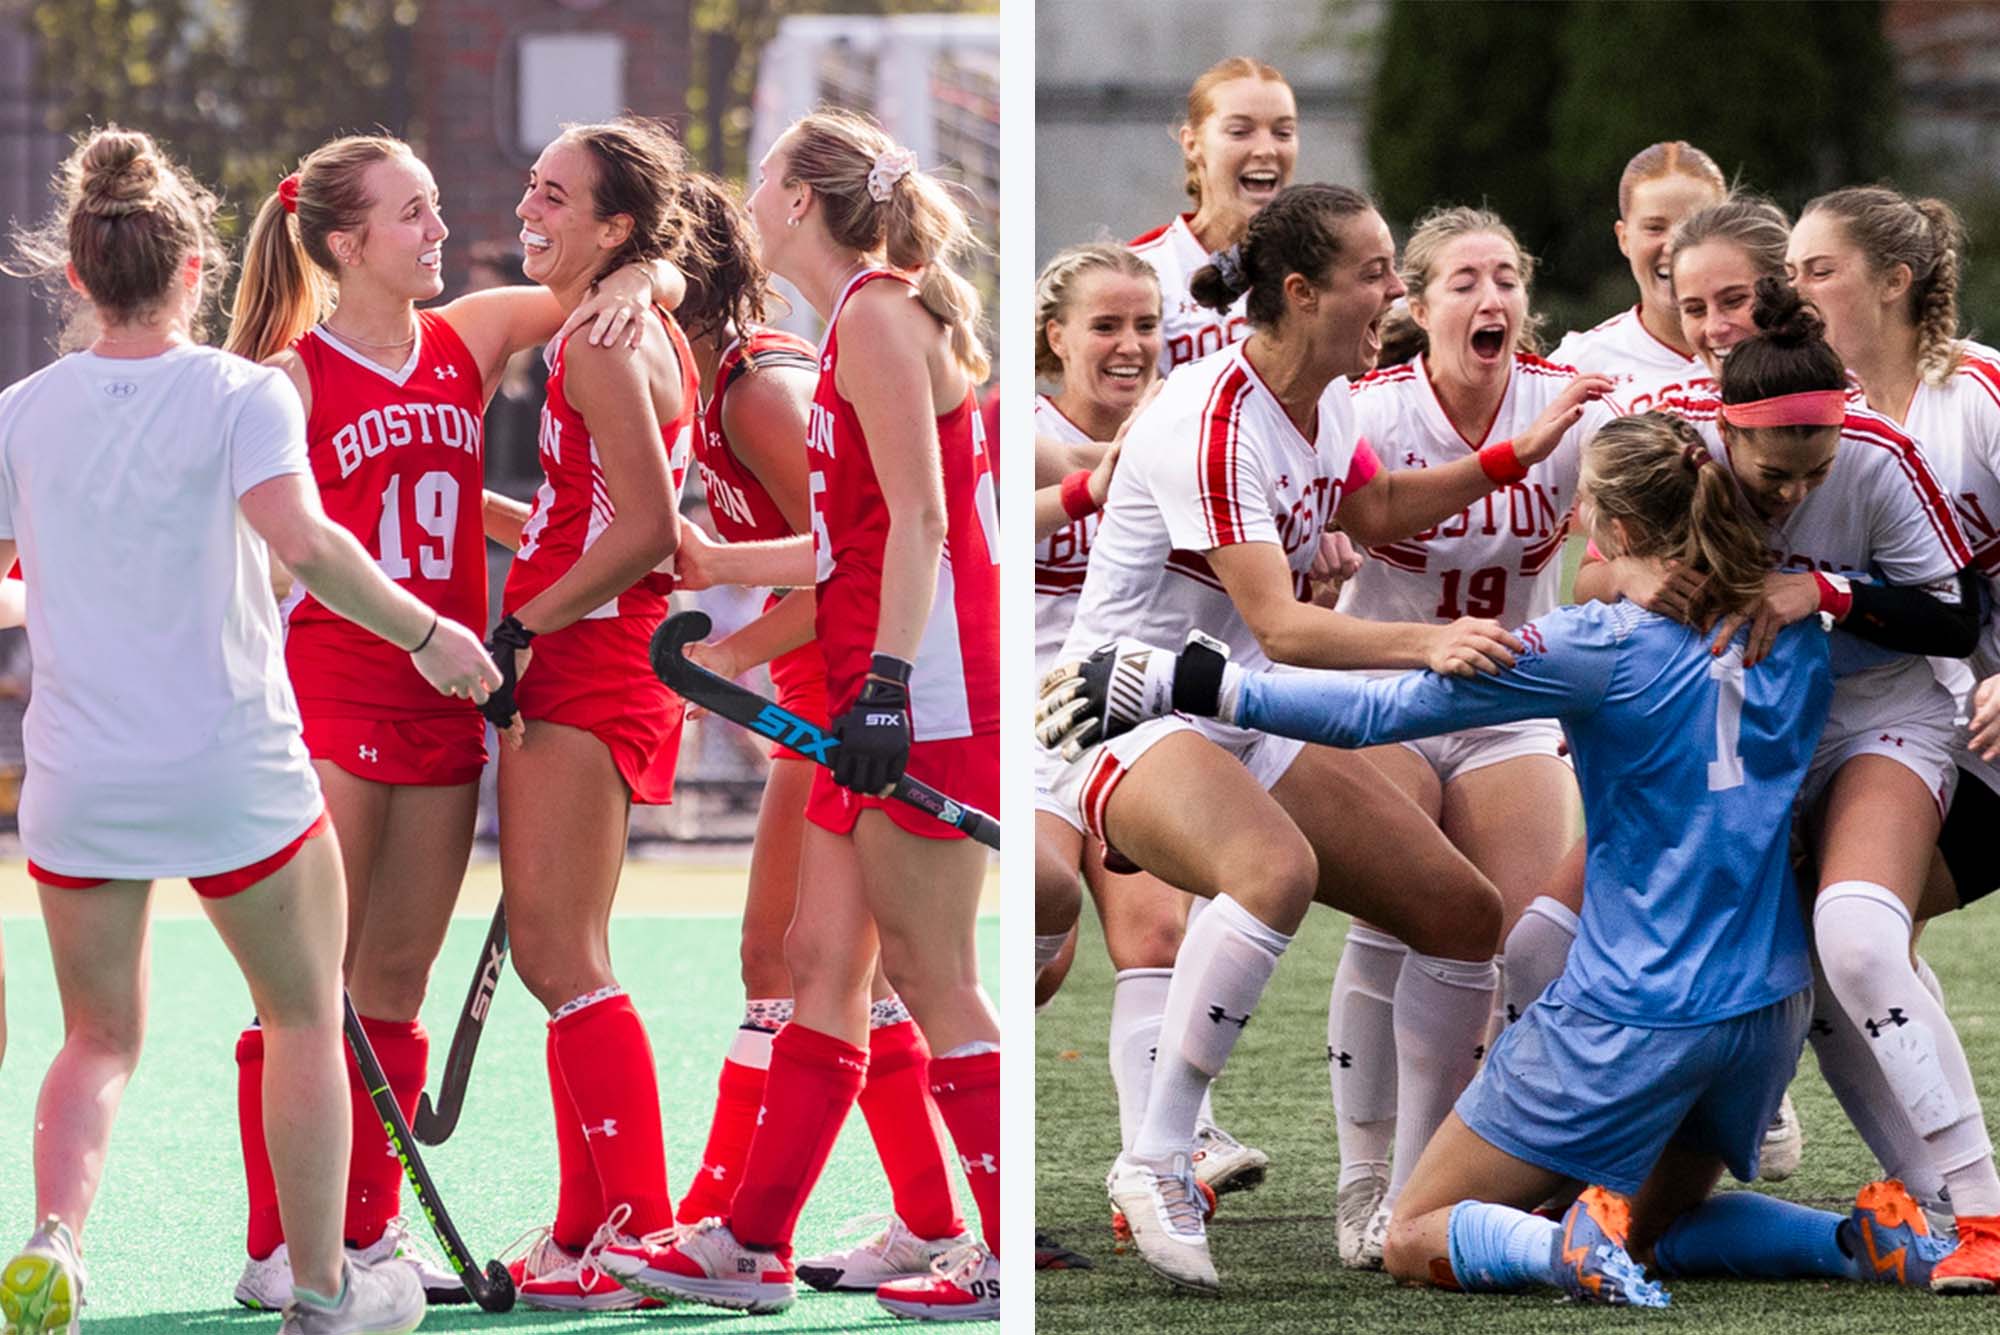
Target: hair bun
x,y
120,173
1783,316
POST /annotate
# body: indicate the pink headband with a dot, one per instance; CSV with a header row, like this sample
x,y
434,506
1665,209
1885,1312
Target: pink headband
x,y
1819,407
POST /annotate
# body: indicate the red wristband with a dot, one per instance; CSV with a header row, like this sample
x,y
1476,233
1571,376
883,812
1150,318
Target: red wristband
x,y
1499,462
1833,600
1077,502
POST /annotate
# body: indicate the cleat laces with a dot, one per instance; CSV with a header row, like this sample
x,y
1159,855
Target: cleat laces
x,y
959,1264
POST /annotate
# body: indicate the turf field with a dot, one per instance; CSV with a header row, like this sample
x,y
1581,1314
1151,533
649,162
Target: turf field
x,y
1275,1246
165,1241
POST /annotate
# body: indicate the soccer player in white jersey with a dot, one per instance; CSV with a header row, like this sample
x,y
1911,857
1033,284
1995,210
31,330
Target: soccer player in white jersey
x,y
1239,144
141,479
1503,795
1097,338
1214,520
1662,184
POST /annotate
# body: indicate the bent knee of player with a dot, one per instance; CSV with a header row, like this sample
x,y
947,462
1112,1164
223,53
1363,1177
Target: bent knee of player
x,y
1277,886
1149,943
1461,921
822,962
1058,891
1408,1249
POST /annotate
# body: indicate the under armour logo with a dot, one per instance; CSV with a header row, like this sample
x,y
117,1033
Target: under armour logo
x,y
1284,480
1478,1051
720,1172
1217,1015
1410,459
445,372
1512,1013
1820,1026
826,363
369,753
610,1128
121,389
985,1163
1885,737
1896,1018
1344,1060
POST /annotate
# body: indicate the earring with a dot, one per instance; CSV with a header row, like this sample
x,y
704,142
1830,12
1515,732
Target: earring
x,y
792,221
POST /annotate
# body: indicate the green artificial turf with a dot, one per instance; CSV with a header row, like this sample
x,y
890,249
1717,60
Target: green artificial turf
x,y
1275,1246
164,1243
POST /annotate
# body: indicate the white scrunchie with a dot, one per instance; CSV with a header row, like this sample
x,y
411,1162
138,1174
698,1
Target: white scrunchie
x,y
889,168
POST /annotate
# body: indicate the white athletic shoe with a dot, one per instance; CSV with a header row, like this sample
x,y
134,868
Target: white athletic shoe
x,y
386,1298
441,1283
962,1284
704,1263
1162,1205
550,1279
266,1285
1375,1242
41,1289
1225,1163
1354,1212
893,1254
1784,1144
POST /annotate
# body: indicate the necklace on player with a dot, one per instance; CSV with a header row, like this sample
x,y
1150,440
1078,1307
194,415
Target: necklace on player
x,y
368,343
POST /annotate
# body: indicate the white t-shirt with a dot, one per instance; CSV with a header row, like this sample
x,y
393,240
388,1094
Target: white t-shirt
x,y
1959,425
1501,556
1062,558
1622,348
162,736
1212,462
1189,330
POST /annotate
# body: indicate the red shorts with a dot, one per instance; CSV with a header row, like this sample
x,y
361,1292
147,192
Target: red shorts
x,y
799,678
597,676
221,885
439,750
965,769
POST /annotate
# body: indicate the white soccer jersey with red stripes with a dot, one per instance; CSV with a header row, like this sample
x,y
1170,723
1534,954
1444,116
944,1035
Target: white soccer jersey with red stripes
x,y
1061,559
1624,349
1959,425
1189,330
1500,557
1658,389
1213,462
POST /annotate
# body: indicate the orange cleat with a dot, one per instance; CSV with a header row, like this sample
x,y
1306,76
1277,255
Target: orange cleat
x,y
1590,1260
1974,1265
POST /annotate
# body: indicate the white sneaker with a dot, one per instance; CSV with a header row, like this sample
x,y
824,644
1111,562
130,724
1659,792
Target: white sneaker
x,y
1225,1163
550,1279
1784,1144
704,1263
266,1285
41,1289
962,1284
1162,1205
893,1254
1354,1211
386,1298
1376,1240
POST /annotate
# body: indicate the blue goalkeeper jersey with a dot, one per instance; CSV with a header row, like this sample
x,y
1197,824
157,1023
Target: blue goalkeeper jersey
x,y
1689,766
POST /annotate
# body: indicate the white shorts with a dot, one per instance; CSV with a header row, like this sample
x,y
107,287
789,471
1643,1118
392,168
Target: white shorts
x,y
1049,766
1084,786
1900,711
1456,754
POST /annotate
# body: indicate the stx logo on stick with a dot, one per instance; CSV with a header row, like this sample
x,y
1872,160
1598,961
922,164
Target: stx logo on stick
x,y
489,979
1217,1015
789,729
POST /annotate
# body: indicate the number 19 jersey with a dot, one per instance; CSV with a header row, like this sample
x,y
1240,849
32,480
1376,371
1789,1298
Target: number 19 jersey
x,y
399,460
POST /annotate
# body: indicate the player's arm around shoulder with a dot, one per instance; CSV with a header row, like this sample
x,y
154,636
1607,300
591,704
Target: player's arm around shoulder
x,y
764,417
623,398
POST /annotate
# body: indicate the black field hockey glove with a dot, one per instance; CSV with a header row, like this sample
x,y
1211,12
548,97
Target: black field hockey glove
x,y
1122,685
874,733
508,636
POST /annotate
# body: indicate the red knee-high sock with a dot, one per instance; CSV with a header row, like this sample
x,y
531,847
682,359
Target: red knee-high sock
x,y
738,1094
607,1062
265,1232
814,1078
967,1090
374,1174
579,1203
908,1137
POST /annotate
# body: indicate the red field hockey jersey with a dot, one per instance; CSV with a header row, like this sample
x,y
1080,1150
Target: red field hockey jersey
x,y
742,509
399,458
954,691
572,506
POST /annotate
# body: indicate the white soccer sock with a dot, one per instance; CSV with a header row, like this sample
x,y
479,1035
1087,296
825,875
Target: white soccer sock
x,y
1220,974
1862,932
1928,977
1863,1093
1537,951
1441,1009
1048,947
763,1017
1361,1050
1138,1004
1496,1018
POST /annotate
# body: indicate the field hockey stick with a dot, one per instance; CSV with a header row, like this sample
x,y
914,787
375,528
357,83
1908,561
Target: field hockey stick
x,y
492,1289
718,695
434,1124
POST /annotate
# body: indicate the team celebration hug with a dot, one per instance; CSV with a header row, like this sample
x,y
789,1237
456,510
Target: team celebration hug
x,y
1631,691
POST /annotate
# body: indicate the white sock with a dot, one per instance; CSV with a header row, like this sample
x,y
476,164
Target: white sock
x,y
1496,1018
1537,950
1441,1009
1928,977
1048,947
1225,962
763,1017
1361,1050
1862,932
1138,1004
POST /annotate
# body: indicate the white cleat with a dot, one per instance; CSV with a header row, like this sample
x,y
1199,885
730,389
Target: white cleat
x,y
962,1284
41,1289
1162,1205
703,1263
1354,1210
1784,1144
386,1298
1224,1163
441,1283
266,1285
893,1254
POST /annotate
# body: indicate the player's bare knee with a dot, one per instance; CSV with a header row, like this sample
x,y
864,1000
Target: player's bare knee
x,y
762,960
1461,923
1279,883
1404,1252
1148,945
1058,891
817,962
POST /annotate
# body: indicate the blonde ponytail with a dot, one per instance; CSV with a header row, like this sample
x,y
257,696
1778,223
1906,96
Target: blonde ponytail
x,y
282,293
923,227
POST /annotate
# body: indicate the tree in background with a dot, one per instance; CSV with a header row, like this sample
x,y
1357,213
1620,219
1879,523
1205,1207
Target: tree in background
x,y
1536,106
